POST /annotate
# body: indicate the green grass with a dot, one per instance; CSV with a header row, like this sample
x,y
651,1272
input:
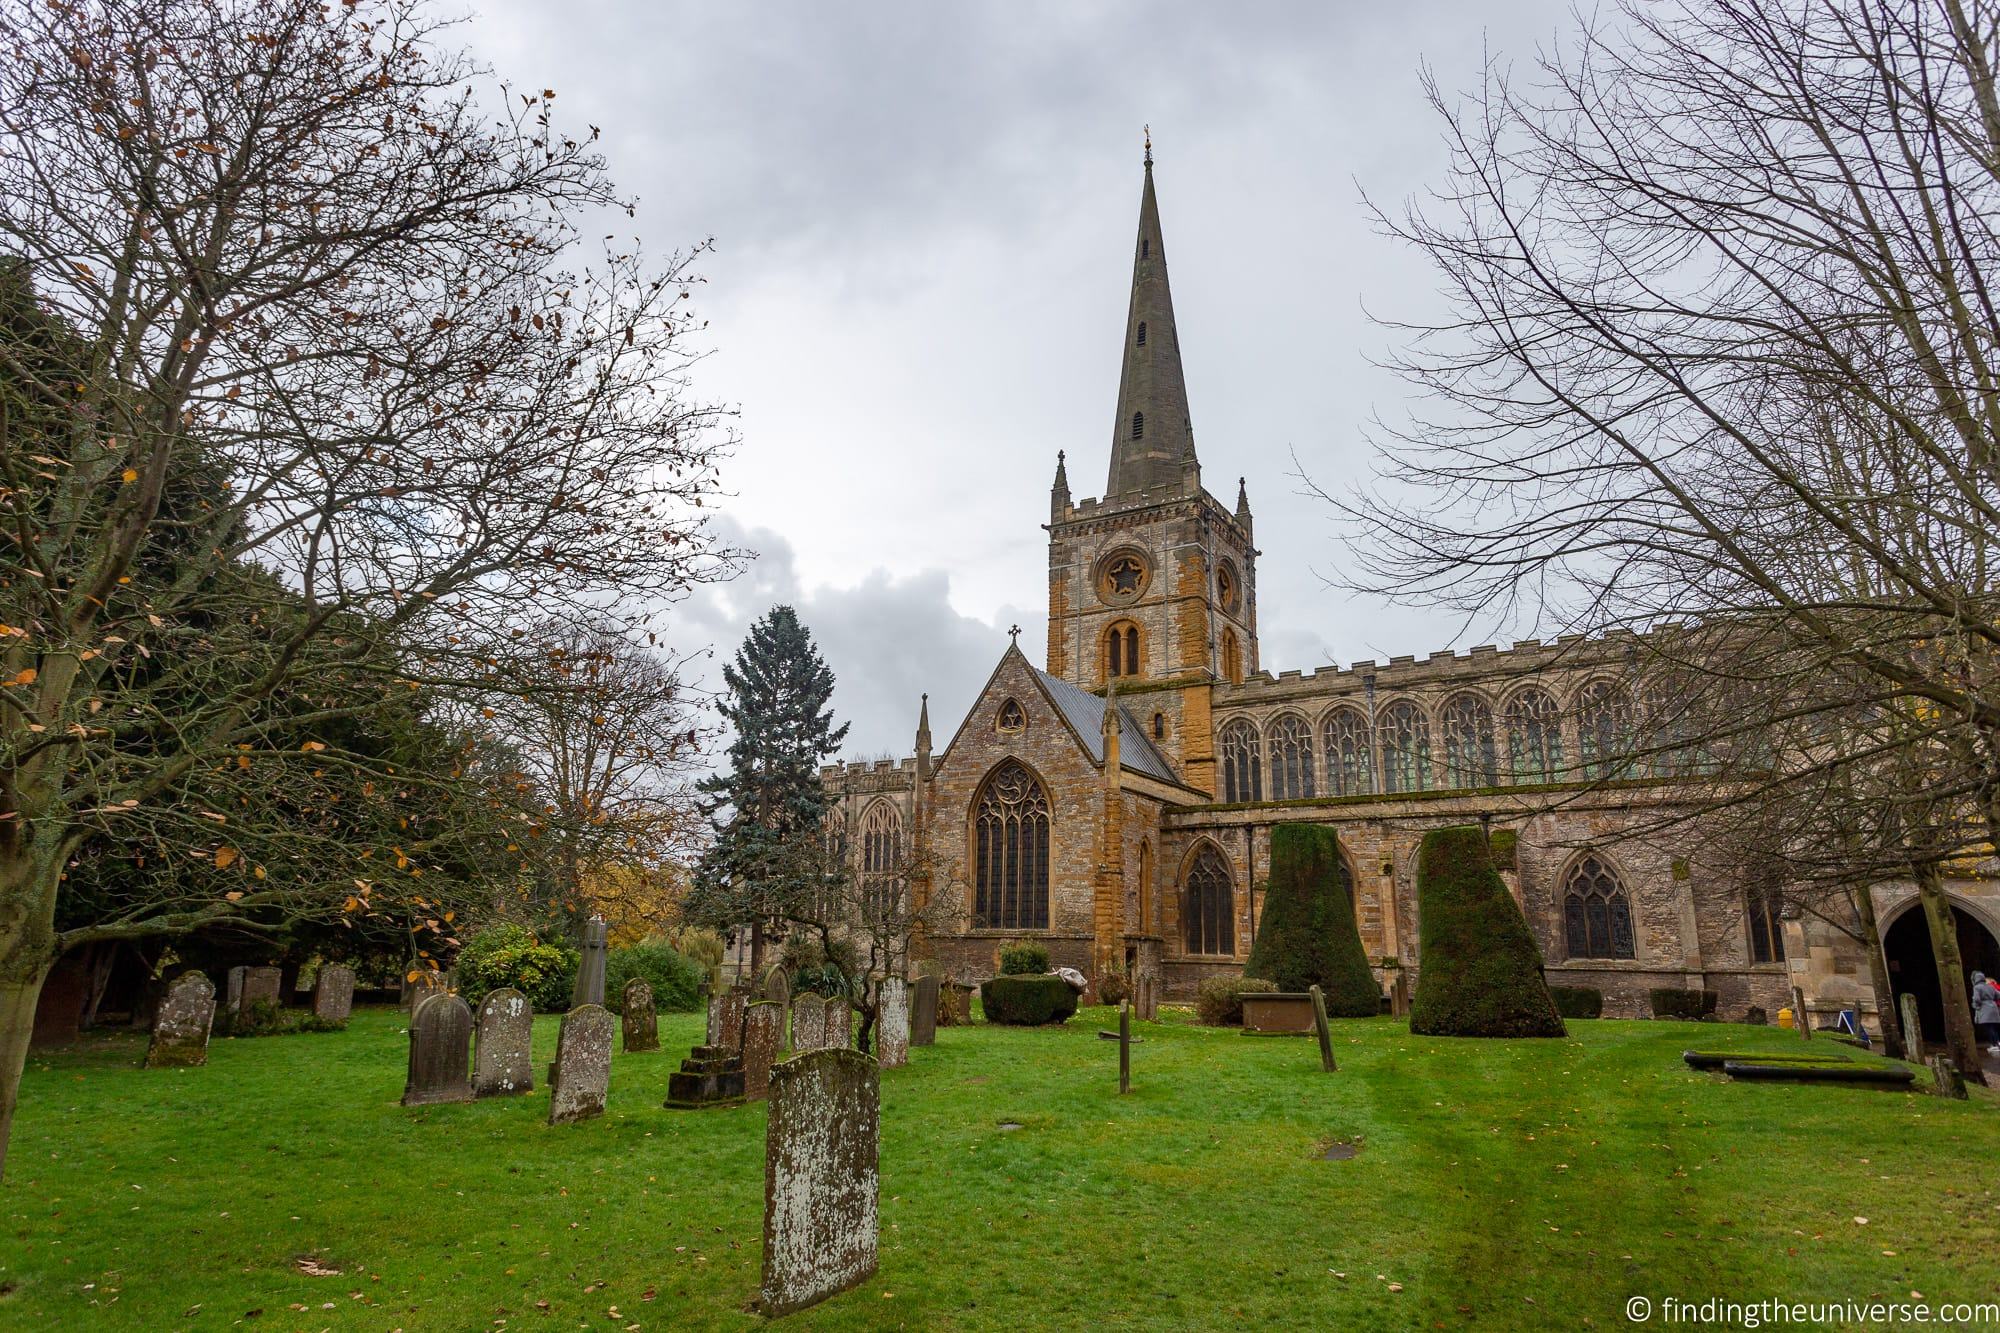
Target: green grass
x,y
1502,1185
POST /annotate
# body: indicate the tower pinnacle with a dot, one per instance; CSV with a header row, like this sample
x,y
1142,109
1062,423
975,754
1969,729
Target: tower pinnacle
x,y
1152,442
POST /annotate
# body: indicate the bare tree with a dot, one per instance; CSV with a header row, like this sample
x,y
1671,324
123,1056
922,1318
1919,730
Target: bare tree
x,y
312,308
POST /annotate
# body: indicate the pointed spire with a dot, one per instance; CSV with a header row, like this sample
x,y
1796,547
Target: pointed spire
x,y
1059,493
1152,443
924,726
1242,503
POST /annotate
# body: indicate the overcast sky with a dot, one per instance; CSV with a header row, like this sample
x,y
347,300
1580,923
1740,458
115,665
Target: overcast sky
x,y
924,217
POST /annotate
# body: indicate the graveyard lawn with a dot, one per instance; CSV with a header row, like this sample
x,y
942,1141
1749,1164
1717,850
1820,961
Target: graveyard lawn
x,y
1498,1184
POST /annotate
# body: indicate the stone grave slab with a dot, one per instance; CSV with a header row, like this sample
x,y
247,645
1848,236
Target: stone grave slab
x,y
583,1062
821,1225
502,1063
440,1037
181,1026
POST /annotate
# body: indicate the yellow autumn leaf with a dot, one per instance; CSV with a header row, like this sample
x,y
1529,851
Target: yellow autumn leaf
x,y
26,677
233,895
129,475
225,857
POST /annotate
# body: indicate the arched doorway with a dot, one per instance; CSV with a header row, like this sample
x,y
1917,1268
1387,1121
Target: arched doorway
x,y
1913,967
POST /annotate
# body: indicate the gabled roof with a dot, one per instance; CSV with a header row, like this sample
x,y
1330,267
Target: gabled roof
x,y
1084,712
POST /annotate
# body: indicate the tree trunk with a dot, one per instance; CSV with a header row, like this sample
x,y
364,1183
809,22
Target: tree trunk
x,y
103,960
18,997
756,952
1960,1041
1878,974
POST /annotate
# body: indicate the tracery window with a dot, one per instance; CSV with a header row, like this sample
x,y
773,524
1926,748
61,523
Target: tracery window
x,y
1012,718
1011,855
1242,774
1534,736
1468,742
881,860
1124,576
1350,759
1208,913
1406,748
1597,917
1604,724
1121,650
1291,747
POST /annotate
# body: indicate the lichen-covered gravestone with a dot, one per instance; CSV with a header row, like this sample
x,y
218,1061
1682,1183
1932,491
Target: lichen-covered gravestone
x,y
725,1018
440,1033
583,1064
808,1023
638,1020
180,1028
763,1026
892,1023
501,1064
839,1018
263,984
924,1011
333,993
777,986
820,1164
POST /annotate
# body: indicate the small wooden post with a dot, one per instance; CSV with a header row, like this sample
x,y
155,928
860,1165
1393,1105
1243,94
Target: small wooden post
x,y
1321,1029
1125,1048
1913,1029
1800,1019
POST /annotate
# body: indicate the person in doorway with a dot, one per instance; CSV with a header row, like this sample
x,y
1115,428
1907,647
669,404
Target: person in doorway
x,y
1986,1010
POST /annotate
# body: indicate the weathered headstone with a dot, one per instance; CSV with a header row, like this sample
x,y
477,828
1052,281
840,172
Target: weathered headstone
x,y
763,1029
638,1021
892,1023
839,1019
440,1034
710,1076
589,987
1321,1029
583,1064
808,1022
1946,1081
777,986
333,993
1913,1028
1124,1048
419,985
924,1011
820,1162
1800,1018
501,1063
263,983
232,995
180,1028
725,1018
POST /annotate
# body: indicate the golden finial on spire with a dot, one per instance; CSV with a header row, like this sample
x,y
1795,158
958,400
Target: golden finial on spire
x,y
1149,145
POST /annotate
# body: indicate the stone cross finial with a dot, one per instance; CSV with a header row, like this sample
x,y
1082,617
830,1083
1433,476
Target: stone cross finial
x,y
1014,634
1149,145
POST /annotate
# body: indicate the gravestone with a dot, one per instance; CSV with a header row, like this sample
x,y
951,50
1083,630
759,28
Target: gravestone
x,y
232,995
589,987
892,1023
1146,969
180,1028
834,1035
440,1033
333,993
777,986
1913,1029
924,1011
710,1076
725,1018
820,1163
501,1064
1321,1030
1946,1081
1124,1048
638,1020
583,1065
808,1023
420,987
763,1030
263,983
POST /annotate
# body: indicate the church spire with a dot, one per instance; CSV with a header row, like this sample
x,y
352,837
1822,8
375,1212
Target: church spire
x,y
1152,443
1059,493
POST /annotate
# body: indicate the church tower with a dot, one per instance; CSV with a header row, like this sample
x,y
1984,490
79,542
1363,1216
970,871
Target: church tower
x,y
1154,585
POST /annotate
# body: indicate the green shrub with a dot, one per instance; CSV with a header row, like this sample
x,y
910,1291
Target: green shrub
x,y
512,956
811,968
1308,935
1505,842
1024,1001
676,980
1578,1001
703,945
1219,1001
1692,1006
1023,958
1479,972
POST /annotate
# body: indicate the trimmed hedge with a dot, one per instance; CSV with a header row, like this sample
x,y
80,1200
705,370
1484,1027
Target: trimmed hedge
x,y
1578,1001
1308,935
1023,958
1480,974
1027,1001
1219,1001
1692,1006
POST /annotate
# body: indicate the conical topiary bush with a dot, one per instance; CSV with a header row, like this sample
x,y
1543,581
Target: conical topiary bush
x,y
1307,935
1479,972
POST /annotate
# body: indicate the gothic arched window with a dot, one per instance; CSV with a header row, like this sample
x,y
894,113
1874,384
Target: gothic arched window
x,y
1291,746
1121,650
1597,917
1242,774
881,860
1604,724
1138,425
1670,730
1534,736
1232,658
1011,859
1142,333
1208,909
1350,759
1468,742
1767,937
1406,748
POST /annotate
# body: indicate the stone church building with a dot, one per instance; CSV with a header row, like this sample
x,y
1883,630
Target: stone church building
x,y
1116,801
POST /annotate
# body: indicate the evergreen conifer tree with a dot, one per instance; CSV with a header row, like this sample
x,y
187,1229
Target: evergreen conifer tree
x,y
1307,935
1479,971
767,808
